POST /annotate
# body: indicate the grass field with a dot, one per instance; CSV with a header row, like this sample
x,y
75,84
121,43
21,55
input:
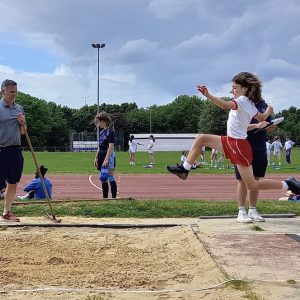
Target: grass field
x,y
80,163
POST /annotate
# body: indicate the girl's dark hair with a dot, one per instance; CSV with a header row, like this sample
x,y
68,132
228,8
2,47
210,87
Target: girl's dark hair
x,y
152,137
43,171
131,138
103,116
252,83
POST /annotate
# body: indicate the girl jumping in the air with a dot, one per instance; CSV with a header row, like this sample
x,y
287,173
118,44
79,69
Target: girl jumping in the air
x,y
246,89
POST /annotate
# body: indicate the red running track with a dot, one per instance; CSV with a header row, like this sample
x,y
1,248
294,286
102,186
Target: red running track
x,y
207,187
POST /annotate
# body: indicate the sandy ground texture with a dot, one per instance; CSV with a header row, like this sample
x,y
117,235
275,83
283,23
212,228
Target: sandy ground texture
x,y
104,263
189,261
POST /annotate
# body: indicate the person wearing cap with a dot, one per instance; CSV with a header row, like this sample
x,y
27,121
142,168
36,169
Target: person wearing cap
x,y
35,188
12,123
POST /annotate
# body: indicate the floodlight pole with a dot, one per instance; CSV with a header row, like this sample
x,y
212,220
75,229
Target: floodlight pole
x,y
98,47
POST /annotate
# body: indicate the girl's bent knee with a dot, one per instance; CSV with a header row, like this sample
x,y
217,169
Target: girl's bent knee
x,y
253,186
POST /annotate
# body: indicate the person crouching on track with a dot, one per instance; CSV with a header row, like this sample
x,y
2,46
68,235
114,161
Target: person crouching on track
x,y
105,156
35,188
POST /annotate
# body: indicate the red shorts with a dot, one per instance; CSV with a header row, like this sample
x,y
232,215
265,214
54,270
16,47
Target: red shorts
x,y
237,150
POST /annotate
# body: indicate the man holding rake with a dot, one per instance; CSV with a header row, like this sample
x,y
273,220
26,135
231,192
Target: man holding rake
x,y
12,120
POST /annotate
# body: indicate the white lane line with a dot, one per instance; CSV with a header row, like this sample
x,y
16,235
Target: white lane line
x,y
92,183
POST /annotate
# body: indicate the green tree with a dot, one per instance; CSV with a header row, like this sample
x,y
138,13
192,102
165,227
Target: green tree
x,y
38,118
59,135
213,119
182,114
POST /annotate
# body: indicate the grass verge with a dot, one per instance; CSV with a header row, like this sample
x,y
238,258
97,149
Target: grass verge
x,y
152,208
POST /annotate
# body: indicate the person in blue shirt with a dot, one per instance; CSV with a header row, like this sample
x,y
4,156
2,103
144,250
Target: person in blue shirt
x,y
105,159
35,188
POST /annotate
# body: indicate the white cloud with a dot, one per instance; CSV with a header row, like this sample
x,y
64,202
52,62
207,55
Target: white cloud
x,y
63,70
168,9
138,51
282,93
156,49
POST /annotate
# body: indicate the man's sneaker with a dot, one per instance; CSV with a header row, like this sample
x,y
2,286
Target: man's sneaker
x,y
243,217
10,217
294,185
179,170
255,216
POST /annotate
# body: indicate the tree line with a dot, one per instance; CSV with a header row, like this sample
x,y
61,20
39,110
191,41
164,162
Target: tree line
x,y
50,124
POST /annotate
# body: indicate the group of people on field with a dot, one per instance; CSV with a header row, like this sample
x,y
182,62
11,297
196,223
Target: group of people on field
x,y
133,146
245,148
275,148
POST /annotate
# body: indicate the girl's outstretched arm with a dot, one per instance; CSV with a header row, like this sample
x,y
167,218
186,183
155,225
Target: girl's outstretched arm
x,y
219,102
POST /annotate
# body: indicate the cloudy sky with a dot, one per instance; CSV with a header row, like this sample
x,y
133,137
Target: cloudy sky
x,y
155,49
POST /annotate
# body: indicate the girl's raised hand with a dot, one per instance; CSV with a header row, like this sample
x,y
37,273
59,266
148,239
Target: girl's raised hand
x,y
203,90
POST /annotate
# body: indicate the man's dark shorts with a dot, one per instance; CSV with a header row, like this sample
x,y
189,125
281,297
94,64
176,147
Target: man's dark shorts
x,y
259,165
11,164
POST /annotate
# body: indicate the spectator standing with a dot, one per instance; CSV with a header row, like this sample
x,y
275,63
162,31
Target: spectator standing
x,y
268,149
277,148
288,149
151,149
105,156
12,123
132,143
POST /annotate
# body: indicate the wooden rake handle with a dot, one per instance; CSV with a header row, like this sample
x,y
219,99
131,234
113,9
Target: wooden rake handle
x,y
39,172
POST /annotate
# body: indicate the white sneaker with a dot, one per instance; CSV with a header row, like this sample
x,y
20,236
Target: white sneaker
x,y
25,197
255,216
243,217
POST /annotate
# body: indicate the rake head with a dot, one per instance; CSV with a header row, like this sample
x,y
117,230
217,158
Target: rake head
x,y
53,218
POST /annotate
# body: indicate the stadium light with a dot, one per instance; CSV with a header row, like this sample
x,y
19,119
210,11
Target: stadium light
x,y
150,119
98,47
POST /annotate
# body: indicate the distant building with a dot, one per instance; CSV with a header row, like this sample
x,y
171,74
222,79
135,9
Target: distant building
x,y
165,141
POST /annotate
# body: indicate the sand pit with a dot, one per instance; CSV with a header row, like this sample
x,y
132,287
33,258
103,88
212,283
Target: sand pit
x,y
74,263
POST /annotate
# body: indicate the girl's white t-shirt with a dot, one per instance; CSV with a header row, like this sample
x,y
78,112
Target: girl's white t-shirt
x,y
240,118
150,146
132,145
276,146
288,144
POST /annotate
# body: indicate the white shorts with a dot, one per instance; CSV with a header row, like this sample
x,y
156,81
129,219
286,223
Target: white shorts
x,y
277,154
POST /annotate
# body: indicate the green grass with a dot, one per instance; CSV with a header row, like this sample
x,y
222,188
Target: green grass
x,y
256,228
82,163
152,209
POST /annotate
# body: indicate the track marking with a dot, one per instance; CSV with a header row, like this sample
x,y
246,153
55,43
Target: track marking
x,y
97,187
93,184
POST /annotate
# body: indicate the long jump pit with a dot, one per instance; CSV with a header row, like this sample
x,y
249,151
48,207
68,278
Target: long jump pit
x,y
80,259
